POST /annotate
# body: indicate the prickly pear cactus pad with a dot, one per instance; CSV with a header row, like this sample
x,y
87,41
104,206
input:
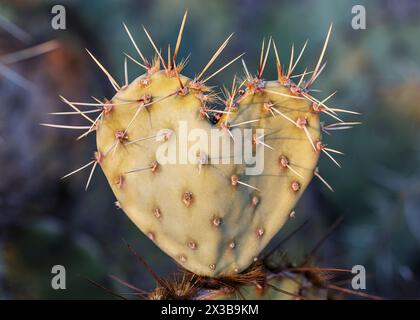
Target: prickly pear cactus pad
x,y
208,211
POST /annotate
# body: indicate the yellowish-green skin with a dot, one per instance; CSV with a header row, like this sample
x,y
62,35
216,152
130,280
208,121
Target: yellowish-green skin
x,y
188,233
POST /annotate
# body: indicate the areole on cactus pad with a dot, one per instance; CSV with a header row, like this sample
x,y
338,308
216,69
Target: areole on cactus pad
x,y
209,214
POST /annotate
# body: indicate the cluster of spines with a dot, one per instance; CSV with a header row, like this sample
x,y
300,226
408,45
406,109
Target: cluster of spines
x,y
312,282
172,69
253,84
300,90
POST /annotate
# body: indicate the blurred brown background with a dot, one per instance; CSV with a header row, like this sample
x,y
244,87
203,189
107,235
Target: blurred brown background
x,y
45,221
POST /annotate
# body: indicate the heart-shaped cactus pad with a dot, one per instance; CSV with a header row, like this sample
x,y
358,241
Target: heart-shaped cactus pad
x,y
210,178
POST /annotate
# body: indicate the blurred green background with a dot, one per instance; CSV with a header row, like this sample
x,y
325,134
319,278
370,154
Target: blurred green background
x,y
45,221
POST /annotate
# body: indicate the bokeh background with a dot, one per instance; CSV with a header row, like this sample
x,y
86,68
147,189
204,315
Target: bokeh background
x,y
45,221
